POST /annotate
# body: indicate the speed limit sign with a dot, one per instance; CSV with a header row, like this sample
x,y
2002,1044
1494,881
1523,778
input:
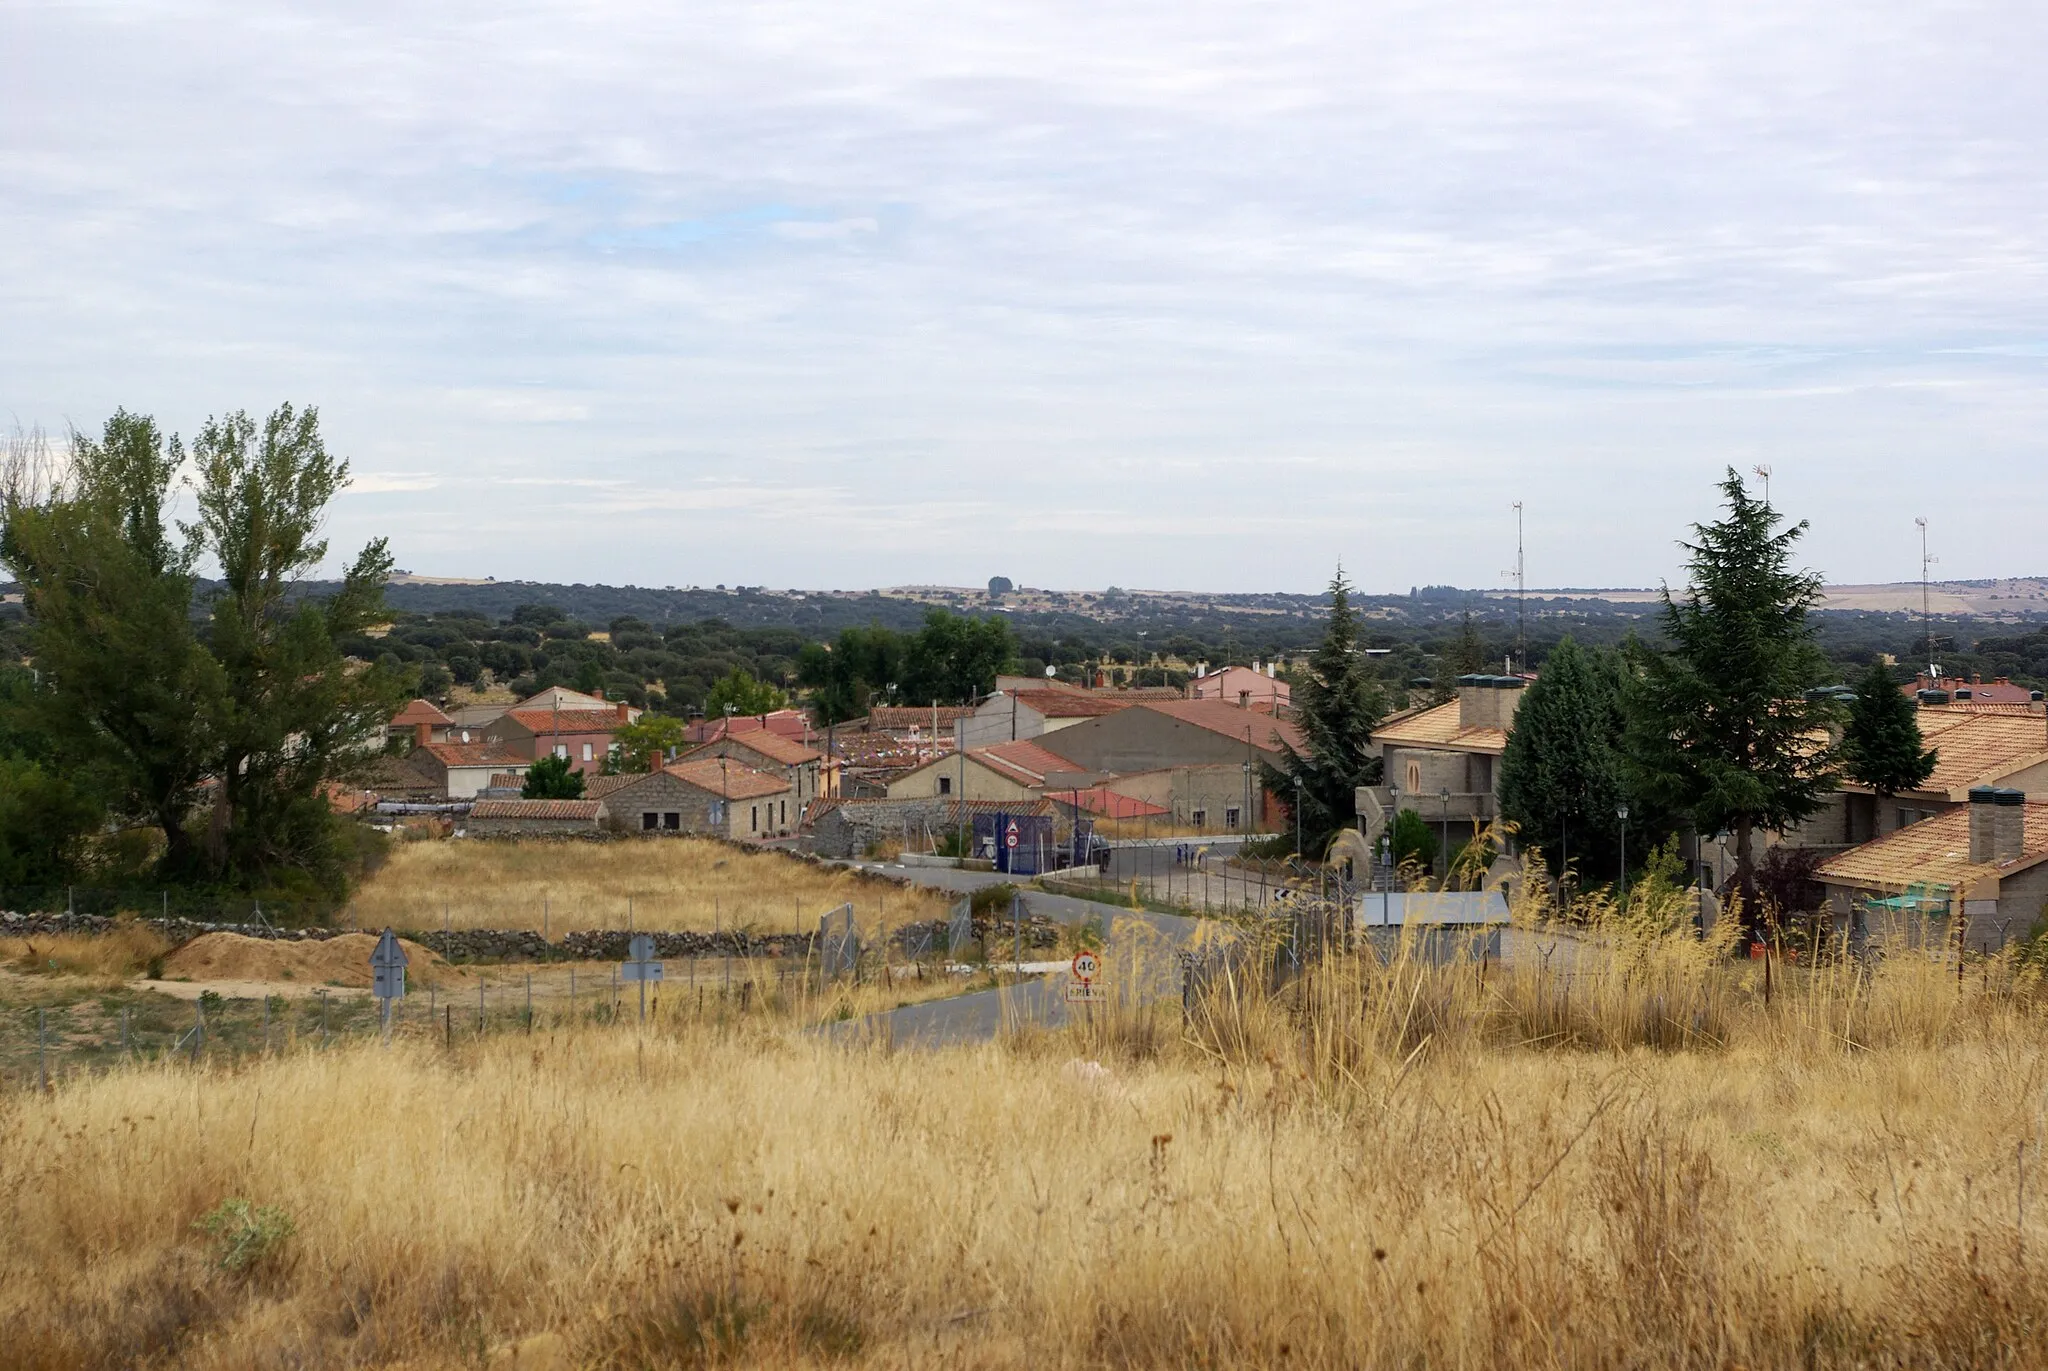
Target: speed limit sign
x,y
1086,966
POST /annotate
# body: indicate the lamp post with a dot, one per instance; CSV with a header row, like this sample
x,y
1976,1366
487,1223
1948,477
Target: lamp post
x,y
1444,795
1621,813
1297,816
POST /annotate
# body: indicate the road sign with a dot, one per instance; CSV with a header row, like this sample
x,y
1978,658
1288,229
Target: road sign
x,y
1082,989
1010,836
640,963
1086,992
1086,965
387,968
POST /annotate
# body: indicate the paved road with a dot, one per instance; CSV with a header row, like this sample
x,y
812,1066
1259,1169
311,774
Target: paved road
x,y
978,1017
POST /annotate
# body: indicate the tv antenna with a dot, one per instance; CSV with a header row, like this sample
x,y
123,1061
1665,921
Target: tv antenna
x,y
1521,589
1926,615
1763,470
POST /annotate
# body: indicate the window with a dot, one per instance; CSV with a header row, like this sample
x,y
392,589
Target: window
x,y
672,821
1231,816
586,752
562,750
945,785
785,814
754,823
1414,777
1200,818
648,820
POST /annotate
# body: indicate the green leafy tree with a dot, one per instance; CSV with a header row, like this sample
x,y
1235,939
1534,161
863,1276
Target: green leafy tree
x,y
1336,706
1563,778
738,692
1881,747
848,678
638,744
955,658
297,714
1721,728
552,778
1413,841
129,694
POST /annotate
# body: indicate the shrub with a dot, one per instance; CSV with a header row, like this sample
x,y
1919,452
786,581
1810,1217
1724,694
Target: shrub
x,y
244,1234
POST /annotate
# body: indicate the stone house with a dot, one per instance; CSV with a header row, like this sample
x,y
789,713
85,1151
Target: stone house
x,y
1201,759
705,796
583,736
1443,761
535,818
846,828
1983,864
1002,771
768,751
463,769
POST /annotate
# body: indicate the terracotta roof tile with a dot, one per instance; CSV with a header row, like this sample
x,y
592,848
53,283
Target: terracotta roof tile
x,y
1933,852
420,712
902,718
1218,716
474,754
536,809
727,778
1438,726
776,748
542,722
1972,748
1067,704
1110,804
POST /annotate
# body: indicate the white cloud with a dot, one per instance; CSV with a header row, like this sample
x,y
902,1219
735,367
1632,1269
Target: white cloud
x,y
1095,291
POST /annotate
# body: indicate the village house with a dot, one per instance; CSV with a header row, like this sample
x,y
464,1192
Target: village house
x,y
583,736
1200,760
1014,715
1247,687
1443,761
768,751
461,770
535,819
1984,862
1942,690
1004,771
787,723
422,719
713,795
1973,748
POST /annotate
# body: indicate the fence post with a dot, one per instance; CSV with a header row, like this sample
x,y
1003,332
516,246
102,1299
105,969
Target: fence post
x,y
323,1018
266,1022
529,1002
42,1054
479,1008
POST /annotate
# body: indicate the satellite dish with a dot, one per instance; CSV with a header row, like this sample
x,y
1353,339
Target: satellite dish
x,y
1052,671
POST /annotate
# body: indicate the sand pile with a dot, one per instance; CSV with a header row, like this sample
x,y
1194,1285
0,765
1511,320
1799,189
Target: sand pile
x,y
343,960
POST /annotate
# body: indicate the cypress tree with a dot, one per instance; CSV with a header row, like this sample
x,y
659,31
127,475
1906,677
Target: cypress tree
x,y
1561,776
1336,706
1881,746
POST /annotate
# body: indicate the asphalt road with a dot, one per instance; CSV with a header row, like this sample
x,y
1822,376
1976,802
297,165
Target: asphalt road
x,y
985,1013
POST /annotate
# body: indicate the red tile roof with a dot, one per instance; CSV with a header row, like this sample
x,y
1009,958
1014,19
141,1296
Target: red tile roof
x,y
1026,761
1067,704
419,712
728,779
474,754
1934,852
1266,732
1440,726
586,810
1110,804
544,722
776,748
903,718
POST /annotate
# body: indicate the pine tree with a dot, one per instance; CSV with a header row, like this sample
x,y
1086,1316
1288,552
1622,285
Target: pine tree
x,y
1721,728
1881,747
1561,778
1336,706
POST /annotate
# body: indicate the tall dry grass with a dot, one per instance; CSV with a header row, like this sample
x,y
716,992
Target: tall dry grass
x,y
125,951
674,883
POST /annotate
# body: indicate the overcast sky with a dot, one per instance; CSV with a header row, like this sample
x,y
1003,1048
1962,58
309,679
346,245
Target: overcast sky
x,y
1167,295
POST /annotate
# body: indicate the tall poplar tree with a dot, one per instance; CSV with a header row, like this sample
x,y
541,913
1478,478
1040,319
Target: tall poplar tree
x,y
1721,728
1336,707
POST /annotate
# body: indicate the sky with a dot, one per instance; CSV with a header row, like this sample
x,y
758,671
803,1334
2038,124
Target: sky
x,y
1166,295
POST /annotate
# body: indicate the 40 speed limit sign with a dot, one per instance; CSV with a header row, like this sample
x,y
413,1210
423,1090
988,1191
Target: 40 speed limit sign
x,y
1082,989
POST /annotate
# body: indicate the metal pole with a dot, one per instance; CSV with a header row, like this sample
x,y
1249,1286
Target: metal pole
x,y
479,1007
529,1002
572,994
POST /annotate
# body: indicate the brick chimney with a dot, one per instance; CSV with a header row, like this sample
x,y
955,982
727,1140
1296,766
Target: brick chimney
x,y
422,734
1983,823
1488,701
622,707
2009,826
597,693
654,761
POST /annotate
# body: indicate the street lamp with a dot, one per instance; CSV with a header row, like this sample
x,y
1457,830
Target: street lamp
x,y
1445,796
1297,816
1621,813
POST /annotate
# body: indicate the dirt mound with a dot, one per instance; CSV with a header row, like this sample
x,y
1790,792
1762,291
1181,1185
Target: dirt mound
x,y
343,960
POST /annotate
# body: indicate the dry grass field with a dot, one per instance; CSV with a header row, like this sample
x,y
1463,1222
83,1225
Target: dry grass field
x,y
677,883
1642,1165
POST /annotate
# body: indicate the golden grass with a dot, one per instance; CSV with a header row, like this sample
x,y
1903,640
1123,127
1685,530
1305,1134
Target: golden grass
x,y
1382,1165
125,951
673,883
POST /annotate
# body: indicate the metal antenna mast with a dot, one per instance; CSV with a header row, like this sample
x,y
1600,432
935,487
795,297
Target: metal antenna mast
x,y
1521,587
1926,616
1765,472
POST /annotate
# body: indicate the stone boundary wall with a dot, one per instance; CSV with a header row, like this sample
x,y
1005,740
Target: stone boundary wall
x,y
524,945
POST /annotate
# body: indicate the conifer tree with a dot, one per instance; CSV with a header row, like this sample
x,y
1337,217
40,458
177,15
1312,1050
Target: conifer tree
x,y
1336,706
1881,746
1562,779
1721,728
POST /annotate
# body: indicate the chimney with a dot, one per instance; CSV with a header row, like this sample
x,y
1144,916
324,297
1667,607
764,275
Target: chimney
x,y
1983,799
422,734
654,760
622,711
597,693
1272,671
1478,706
2009,826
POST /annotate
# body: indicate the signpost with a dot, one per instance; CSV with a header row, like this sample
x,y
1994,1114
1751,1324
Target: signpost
x,y
387,976
1082,989
641,965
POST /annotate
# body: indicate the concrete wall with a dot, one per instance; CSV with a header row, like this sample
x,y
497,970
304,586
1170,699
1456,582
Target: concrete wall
x,y
1138,739
996,721
1422,774
1211,791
